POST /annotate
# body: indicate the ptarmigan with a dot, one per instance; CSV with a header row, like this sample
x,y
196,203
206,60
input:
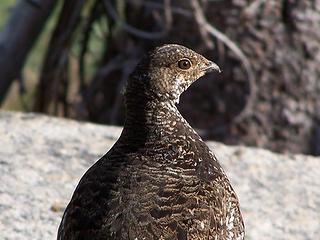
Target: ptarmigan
x,y
159,180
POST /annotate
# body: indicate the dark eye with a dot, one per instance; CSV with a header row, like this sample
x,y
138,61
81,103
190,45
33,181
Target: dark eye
x,y
184,64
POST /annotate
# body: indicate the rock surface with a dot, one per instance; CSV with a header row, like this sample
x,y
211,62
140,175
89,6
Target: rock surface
x,y
42,159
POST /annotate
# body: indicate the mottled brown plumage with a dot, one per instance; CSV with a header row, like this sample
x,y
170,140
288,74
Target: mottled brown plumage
x,y
159,180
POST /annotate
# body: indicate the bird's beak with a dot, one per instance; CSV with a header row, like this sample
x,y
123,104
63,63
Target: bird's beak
x,y
213,67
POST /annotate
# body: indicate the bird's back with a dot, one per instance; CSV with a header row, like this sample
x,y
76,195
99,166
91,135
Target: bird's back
x,y
168,189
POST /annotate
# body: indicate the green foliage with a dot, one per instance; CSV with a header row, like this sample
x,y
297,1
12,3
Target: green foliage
x,y
5,10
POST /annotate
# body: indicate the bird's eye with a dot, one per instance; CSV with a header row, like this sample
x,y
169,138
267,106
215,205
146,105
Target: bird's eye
x,y
184,64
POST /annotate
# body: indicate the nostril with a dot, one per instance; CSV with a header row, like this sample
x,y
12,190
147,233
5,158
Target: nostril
x,y
213,67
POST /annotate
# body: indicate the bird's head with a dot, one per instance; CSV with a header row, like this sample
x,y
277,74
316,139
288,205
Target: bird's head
x,y
169,70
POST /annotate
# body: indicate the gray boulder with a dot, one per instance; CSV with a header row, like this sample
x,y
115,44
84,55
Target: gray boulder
x,y
42,159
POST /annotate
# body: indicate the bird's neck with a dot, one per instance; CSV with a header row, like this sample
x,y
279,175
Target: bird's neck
x,y
151,120
150,113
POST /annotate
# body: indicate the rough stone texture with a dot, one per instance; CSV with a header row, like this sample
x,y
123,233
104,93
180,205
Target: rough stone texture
x,y
42,159
281,41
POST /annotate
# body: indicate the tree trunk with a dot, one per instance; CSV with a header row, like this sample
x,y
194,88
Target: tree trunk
x,y
18,36
51,86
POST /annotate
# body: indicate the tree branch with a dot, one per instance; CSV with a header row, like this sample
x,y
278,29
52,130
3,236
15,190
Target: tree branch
x,y
204,25
18,37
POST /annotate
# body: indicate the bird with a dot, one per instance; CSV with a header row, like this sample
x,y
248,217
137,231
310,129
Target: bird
x,y
159,180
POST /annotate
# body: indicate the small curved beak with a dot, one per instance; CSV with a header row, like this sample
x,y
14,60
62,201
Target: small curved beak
x,y
213,67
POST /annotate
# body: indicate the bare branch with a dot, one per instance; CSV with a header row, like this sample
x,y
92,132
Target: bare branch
x,y
203,23
57,55
203,31
155,5
138,32
252,9
94,14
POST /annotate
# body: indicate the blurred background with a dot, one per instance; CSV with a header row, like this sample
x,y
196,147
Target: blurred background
x,y
71,58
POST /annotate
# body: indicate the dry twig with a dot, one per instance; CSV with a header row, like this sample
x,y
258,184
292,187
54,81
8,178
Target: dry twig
x,y
138,32
204,25
155,5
